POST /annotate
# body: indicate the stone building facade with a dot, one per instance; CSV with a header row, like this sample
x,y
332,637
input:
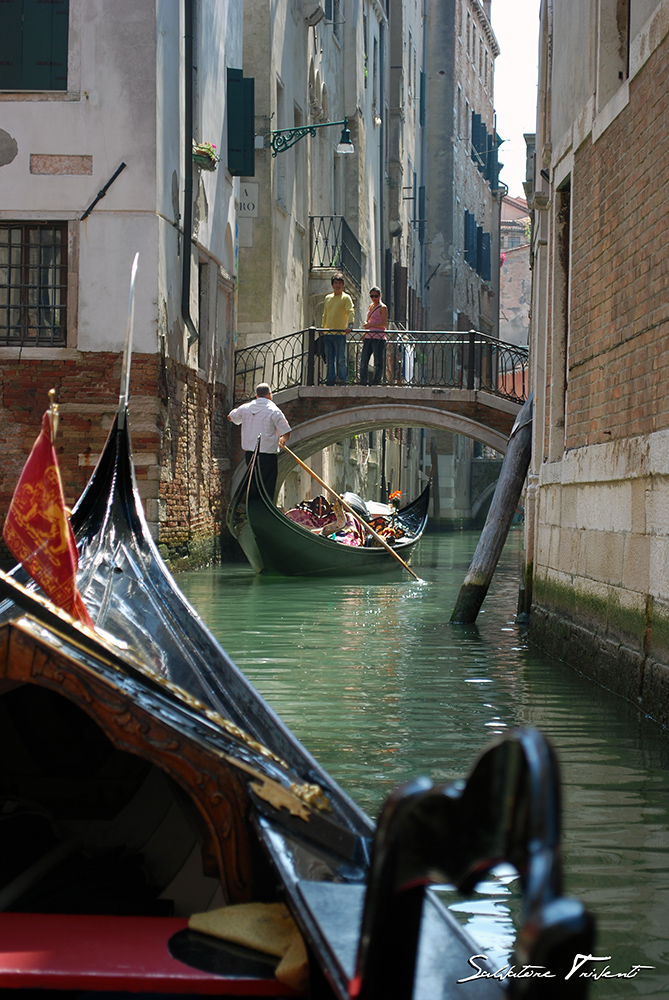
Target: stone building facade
x,y
515,280
463,193
598,535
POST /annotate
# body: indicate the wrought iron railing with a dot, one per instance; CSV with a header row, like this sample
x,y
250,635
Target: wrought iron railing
x,y
424,359
333,245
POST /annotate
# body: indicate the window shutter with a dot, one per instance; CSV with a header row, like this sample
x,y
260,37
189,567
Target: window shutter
x,y
33,44
45,45
400,287
471,240
476,124
484,259
241,124
497,166
479,248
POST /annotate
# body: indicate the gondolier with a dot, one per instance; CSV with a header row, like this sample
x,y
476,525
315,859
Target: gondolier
x,y
262,418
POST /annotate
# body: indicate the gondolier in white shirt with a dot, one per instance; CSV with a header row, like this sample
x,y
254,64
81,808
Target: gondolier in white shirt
x,y
262,418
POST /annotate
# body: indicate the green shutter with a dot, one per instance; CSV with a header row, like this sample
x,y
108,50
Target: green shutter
x,y
484,257
11,61
33,44
59,41
241,124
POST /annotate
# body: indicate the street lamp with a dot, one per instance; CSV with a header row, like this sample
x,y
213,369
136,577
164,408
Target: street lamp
x,y
284,138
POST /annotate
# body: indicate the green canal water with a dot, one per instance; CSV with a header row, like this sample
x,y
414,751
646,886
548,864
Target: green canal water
x,y
380,688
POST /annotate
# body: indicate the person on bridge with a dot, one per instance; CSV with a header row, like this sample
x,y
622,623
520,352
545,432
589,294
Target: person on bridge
x,y
374,340
262,418
337,317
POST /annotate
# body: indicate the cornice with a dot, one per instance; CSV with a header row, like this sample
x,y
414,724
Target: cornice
x,y
482,18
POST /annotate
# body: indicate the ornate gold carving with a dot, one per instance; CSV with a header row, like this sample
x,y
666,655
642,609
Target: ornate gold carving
x,y
313,795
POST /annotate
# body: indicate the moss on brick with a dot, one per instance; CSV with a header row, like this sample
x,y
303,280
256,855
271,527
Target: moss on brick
x,y
625,651
604,616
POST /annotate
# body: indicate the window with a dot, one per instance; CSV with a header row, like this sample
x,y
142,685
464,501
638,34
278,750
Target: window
x,y
477,246
33,285
33,44
241,124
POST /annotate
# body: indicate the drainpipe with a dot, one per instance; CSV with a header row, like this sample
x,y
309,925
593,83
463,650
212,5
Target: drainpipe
x,y
188,173
382,153
423,159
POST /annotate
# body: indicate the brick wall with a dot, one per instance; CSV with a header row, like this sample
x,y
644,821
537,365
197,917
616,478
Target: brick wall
x,y
178,430
620,270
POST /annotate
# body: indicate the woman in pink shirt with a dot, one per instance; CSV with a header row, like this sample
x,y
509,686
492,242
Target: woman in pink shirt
x,y
374,340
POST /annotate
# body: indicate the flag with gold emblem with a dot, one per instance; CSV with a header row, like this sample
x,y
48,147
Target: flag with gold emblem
x,y
38,532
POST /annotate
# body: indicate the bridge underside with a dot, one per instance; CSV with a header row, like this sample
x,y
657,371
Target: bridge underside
x,y
321,416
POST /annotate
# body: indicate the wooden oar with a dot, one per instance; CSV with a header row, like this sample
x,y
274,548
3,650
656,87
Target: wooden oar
x,y
347,506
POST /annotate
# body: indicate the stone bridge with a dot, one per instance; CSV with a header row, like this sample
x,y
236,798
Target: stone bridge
x,y
320,416
463,382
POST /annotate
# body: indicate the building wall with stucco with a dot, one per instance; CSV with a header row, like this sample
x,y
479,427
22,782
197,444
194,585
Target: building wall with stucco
x,y
122,107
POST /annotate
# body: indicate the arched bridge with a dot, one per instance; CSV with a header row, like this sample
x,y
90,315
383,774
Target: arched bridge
x,y
463,382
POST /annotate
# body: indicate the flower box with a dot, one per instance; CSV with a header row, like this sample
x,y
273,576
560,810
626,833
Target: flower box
x,y
205,155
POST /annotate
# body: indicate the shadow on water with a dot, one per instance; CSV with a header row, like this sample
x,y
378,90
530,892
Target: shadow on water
x,y
380,687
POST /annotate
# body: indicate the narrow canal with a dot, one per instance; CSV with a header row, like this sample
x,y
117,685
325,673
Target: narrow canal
x,y
380,688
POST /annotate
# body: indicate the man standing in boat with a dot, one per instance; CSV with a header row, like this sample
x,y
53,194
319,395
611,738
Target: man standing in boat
x,y
262,418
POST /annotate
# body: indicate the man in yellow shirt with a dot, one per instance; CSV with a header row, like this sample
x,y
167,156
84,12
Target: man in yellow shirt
x,y
337,317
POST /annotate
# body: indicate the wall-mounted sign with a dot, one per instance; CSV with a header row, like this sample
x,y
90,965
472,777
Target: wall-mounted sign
x,y
248,201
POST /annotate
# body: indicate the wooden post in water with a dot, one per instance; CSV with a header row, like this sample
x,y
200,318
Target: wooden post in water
x,y
496,528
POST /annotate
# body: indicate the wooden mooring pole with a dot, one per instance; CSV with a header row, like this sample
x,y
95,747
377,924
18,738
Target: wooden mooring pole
x,y
496,528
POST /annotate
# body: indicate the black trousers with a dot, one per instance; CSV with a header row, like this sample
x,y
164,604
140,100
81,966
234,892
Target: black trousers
x,y
269,469
377,347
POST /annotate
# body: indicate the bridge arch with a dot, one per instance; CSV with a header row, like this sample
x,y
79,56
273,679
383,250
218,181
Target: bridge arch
x,y
320,417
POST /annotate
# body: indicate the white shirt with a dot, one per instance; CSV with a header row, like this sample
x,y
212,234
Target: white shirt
x,y
260,417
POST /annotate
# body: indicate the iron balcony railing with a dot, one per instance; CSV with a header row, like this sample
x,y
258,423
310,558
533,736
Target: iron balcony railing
x,y
333,245
424,359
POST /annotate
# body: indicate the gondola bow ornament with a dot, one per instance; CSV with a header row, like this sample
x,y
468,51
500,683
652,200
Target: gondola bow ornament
x,y
37,530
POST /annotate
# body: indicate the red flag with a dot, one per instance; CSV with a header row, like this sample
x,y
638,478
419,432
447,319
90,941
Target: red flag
x,y
38,532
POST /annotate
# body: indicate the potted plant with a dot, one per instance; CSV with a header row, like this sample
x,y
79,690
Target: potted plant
x,y
205,155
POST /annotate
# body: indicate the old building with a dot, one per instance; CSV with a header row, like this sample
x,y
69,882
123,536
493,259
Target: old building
x,y
317,209
107,96
461,212
598,537
515,280
463,197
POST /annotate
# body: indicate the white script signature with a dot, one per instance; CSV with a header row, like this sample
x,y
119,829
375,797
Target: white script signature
x,y
542,972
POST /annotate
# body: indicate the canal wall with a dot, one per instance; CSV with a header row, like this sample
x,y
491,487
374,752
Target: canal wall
x,y
178,429
600,589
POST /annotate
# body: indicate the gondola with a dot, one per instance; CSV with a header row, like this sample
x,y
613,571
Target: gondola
x,y
273,543
143,779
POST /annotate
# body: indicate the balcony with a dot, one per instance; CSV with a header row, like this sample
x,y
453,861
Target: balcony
x,y
332,245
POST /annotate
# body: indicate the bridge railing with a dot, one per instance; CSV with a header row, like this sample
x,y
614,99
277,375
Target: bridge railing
x,y
420,358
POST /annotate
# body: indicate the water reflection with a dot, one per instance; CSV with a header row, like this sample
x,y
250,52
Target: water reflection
x,y
381,688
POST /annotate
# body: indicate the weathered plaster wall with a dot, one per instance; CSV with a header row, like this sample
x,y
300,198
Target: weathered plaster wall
x,y
125,104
